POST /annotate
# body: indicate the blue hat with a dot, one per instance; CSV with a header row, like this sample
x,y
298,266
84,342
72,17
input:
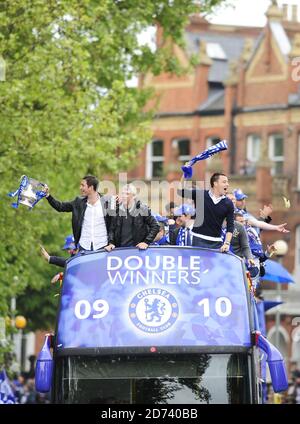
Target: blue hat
x,y
160,218
184,209
69,242
239,195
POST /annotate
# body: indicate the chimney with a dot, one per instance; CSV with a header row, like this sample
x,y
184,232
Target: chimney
x,y
285,8
201,76
294,13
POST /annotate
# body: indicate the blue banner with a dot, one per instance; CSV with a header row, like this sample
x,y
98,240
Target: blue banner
x,y
159,297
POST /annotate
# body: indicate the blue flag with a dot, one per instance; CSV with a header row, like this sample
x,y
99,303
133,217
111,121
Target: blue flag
x,y
6,392
187,170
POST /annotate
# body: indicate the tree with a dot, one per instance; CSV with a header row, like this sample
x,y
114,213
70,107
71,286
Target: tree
x,y
67,109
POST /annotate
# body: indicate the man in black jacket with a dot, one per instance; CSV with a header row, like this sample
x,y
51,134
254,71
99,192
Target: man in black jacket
x,y
91,215
133,224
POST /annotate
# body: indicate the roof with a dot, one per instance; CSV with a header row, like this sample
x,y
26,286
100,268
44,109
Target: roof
x,y
281,37
231,45
215,101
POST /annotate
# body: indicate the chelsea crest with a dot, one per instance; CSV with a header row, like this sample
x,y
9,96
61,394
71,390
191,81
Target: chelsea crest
x,y
153,310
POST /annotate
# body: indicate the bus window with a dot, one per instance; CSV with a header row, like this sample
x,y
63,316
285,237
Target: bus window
x,y
160,379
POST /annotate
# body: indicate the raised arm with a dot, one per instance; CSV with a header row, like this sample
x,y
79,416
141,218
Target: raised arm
x,y
186,193
265,226
56,204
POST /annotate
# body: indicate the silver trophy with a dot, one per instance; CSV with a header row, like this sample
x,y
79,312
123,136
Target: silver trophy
x,y
29,192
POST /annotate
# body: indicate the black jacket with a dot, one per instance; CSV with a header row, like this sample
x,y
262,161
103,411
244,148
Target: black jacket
x,y
58,260
144,226
173,233
78,207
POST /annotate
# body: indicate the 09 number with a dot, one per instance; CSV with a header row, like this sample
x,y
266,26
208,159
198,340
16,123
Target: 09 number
x,y
83,309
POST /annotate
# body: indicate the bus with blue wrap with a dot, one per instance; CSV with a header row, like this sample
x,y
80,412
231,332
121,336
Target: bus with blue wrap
x,y
164,325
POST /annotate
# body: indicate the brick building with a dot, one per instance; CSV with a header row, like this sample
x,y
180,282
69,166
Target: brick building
x,y
245,89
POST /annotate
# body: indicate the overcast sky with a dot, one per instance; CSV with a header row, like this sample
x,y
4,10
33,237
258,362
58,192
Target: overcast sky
x,y
236,12
246,12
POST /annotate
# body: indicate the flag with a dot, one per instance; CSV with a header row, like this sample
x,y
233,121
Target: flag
x,y
277,273
187,170
6,392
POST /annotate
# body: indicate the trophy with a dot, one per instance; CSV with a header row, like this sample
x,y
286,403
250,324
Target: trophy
x,y
29,192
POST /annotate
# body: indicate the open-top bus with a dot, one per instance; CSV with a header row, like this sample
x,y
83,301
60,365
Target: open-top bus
x,y
165,325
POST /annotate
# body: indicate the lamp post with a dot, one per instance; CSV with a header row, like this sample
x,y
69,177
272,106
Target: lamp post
x,y
20,323
281,250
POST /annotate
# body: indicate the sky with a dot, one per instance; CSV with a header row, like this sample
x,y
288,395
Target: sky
x,y
246,12
235,12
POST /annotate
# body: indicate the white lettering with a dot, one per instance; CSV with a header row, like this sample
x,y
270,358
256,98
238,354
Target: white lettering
x,y
194,262
141,277
160,277
131,258
173,278
109,265
149,262
183,276
168,262
180,264
196,276
100,306
218,306
228,306
205,304
117,278
86,310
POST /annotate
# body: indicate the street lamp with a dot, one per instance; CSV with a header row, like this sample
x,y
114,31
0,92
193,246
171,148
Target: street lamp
x,y
281,247
20,323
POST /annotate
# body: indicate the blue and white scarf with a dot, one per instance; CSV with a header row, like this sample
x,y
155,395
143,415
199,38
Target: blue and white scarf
x,y
187,170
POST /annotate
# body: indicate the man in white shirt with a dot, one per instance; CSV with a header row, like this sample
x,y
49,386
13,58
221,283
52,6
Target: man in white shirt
x,y
91,215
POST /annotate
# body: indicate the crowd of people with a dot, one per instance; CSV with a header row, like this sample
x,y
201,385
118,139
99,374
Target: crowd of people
x,y
214,218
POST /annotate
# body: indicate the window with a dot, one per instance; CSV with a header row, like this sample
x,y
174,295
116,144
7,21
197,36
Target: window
x,y
183,146
253,147
276,153
175,378
253,154
215,51
155,159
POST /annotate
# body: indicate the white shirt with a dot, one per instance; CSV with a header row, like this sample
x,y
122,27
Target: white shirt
x,y
93,227
214,198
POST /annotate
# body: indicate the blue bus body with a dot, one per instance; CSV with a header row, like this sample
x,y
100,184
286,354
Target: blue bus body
x,y
165,325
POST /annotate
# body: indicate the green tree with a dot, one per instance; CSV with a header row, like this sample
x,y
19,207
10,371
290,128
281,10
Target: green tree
x,y
67,110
